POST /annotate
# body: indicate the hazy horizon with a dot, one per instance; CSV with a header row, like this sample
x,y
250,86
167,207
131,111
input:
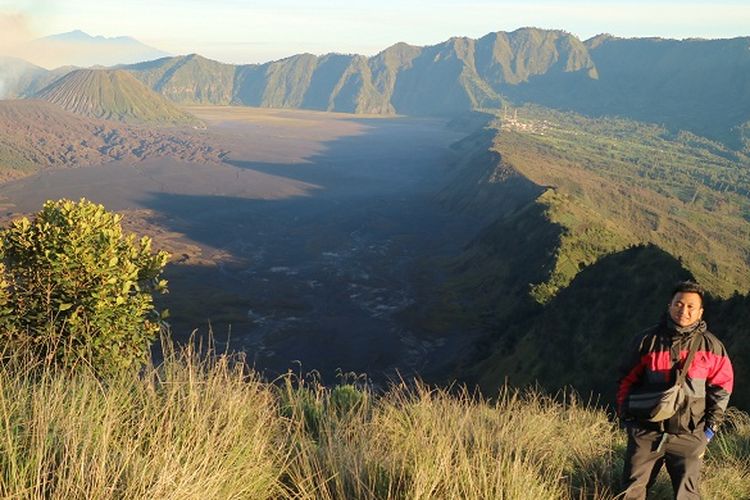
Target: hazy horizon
x,y
257,32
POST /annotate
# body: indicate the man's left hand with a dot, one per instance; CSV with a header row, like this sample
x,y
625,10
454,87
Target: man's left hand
x,y
709,434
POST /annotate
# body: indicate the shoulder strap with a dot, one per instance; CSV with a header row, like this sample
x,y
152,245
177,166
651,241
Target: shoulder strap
x,y
682,373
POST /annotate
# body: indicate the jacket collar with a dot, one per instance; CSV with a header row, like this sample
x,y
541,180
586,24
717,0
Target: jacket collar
x,y
676,331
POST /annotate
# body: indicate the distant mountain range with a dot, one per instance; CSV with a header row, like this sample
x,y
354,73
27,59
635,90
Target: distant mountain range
x,y
696,85
455,76
77,48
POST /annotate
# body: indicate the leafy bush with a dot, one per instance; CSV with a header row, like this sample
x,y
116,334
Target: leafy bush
x,y
346,399
75,289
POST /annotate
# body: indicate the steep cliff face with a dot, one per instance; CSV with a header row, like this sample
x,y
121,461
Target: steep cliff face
x,y
518,57
457,75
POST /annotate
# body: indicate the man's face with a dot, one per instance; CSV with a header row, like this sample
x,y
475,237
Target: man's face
x,y
686,308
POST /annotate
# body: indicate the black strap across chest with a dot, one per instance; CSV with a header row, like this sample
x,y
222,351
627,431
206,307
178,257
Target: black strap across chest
x,y
681,371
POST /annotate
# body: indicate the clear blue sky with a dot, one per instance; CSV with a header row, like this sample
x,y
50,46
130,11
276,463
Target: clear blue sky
x,y
260,30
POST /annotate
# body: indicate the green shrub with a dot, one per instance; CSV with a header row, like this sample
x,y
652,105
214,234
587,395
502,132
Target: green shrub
x,y
346,399
75,289
303,405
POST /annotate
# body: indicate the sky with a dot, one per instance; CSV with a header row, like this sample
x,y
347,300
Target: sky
x,y
255,31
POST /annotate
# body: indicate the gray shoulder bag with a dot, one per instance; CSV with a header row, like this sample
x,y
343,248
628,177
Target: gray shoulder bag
x,y
656,406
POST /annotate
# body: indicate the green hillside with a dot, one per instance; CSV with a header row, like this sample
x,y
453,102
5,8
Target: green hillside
x,y
590,222
559,191
614,183
113,95
578,338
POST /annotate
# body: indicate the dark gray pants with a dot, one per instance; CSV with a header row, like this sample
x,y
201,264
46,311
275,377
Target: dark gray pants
x,y
682,454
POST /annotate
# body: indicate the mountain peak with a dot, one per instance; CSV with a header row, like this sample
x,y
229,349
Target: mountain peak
x,y
596,41
112,95
75,35
535,30
78,48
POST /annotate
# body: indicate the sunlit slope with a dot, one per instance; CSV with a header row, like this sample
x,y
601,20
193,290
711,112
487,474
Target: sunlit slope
x,y
559,192
113,95
612,184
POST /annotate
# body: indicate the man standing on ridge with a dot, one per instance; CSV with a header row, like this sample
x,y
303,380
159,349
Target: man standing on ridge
x,y
656,363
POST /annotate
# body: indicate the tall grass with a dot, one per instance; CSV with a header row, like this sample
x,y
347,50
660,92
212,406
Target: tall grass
x,y
424,443
203,426
192,428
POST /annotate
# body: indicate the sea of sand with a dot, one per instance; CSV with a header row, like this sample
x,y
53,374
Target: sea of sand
x,y
304,247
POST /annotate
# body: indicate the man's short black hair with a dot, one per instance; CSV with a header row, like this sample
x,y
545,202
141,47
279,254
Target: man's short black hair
x,y
689,287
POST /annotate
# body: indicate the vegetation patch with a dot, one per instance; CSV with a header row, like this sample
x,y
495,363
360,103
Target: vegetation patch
x,y
615,183
75,290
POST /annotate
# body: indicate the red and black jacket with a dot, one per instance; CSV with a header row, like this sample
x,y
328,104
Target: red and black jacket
x,y
650,365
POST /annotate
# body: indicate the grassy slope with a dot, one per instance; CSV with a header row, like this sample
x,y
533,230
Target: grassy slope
x,y
578,338
607,215
561,191
617,183
201,427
